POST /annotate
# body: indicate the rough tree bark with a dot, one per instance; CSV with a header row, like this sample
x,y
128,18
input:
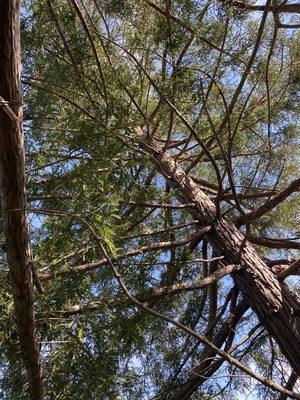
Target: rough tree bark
x,y
12,185
275,305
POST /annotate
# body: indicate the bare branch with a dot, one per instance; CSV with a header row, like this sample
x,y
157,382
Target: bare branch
x,y
293,269
96,264
272,203
274,243
157,205
155,295
286,8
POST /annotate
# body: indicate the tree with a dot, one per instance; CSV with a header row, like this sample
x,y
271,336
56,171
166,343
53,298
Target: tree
x,y
161,144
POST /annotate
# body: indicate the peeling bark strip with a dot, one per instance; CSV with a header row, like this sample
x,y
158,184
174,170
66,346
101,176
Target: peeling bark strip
x,y
275,305
12,185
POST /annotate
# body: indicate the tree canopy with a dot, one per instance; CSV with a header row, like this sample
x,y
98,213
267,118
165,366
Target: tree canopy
x,y
162,181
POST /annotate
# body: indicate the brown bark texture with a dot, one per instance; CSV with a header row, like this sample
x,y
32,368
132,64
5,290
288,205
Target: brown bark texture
x,y
275,305
12,181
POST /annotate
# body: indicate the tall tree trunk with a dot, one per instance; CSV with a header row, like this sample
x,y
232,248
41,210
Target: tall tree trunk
x,y
275,305
12,184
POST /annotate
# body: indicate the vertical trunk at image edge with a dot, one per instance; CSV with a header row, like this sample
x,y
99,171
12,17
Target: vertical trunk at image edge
x,y
12,184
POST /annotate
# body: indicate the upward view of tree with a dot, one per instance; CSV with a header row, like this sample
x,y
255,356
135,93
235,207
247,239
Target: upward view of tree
x,y
150,240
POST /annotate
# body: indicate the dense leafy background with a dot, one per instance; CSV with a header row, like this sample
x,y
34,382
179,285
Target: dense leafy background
x,y
85,85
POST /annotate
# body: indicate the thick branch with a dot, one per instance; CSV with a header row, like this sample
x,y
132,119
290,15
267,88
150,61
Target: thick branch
x,y
157,294
271,204
293,269
157,205
186,287
286,8
146,249
274,243
289,385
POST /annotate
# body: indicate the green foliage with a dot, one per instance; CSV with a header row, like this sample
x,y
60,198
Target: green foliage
x,y
85,170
